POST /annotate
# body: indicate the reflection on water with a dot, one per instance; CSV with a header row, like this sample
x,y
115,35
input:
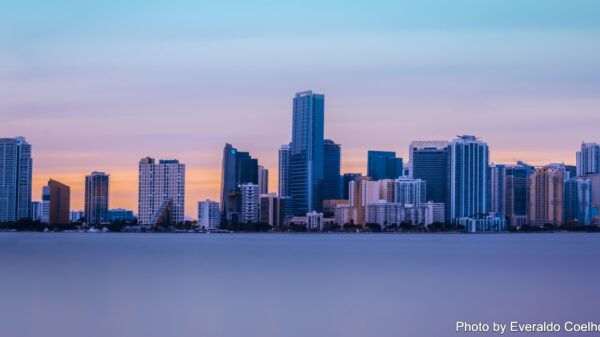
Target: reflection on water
x,y
163,285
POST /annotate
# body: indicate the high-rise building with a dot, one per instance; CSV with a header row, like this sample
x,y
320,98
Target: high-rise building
x,y
578,201
332,161
209,214
270,210
497,188
238,168
595,196
263,180
346,179
250,203
429,162
306,153
362,192
410,192
420,145
15,179
36,210
383,165
161,196
56,199
284,170
588,159
96,198
468,188
516,194
546,192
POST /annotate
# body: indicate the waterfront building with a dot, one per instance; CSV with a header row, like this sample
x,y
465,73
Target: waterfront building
x,y
331,171
488,223
468,187
76,216
546,189
238,168
588,159
346,179
250,203
578,201
306,152
15,179
497,188
36,210
270,210
161,192
410,192
120,214
516,194
209,214
429,162
96,198
284,170
56,203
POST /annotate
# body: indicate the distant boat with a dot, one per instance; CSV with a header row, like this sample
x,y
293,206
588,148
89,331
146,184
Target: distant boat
x,y
93,230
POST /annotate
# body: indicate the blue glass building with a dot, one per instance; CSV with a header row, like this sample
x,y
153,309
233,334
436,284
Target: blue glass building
x,y
306,152
332,161
384,165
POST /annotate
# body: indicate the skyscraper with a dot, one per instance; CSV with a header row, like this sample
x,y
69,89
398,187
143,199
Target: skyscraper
x,y
161,194
410,192
238,168
270,210
209,214
306,152
383,165
96,198
57,198
578,201
263,180
546,188
250,203
588,159
15,179
332,161
497,189
284,170
429,162
516,195
468,188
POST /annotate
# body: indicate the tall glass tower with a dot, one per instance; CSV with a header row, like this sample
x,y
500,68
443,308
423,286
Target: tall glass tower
x,y
468,169
306,152
15,179
331,170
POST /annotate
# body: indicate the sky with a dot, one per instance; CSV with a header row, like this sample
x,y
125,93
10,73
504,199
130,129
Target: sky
x,y
97,85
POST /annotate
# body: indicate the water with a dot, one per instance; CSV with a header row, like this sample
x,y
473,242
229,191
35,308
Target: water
x,y
170,285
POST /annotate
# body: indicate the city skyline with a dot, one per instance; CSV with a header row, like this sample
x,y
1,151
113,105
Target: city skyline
x,y
95,89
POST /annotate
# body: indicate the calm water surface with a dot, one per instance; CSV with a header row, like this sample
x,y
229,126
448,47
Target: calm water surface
x,y
163,285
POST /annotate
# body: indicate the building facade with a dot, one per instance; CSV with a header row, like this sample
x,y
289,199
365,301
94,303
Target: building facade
x,y
546,192
161,192
209,214
56,199
588,159
468,170
410,192
96,198
284,170
238,168
250,203
331,171
384,165
270,210
15,179
263,180
306,153
578,201
429,162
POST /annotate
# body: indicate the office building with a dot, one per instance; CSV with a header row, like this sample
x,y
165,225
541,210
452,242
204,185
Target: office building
x,y
250,203
331,171
306,152
238,168
161,192
76,216
263,180
363,191
209,214
578,201
15,179
546,191
497,188
383,165
410,192
56,200
270,211
284,170
516,194
429,162
588,159
36,210
96,198
468,187
488,223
